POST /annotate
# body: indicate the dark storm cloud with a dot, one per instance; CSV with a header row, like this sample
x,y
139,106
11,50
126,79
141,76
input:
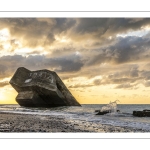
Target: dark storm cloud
x,y
145,74
131,49
3,71
125,50
32,31
41,31
69,63
109,26
9,64
64,24
36,31
49,39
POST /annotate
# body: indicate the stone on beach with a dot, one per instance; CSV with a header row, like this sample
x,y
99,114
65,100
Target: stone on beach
x,y
144,113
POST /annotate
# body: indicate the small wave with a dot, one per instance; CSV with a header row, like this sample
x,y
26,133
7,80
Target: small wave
x,y
115,114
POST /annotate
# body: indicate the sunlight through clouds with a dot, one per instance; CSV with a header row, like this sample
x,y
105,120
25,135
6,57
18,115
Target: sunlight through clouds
x,y
93,56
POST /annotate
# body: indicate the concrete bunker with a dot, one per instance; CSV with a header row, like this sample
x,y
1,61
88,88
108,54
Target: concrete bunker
x,y
41,88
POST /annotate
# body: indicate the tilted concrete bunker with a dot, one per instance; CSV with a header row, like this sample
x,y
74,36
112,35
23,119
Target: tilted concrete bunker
x,y
41,88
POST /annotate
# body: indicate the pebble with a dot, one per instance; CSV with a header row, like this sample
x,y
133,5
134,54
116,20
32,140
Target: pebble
x,y
35,123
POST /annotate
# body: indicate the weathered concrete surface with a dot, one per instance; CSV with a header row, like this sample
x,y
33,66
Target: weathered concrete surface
x,y
41,88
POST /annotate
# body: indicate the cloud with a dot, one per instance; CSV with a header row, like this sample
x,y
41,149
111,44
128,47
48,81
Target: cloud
x,y
72,66
33,32
9,64
123,80
146,83
124,86
97,82
30,31
80,86
69,63
105,27
125,50
2,84
145,74
79,47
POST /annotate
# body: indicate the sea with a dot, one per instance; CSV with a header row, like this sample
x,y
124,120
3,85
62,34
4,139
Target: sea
x,y
86,113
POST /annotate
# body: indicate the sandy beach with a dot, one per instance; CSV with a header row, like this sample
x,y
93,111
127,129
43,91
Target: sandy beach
x,y
38,123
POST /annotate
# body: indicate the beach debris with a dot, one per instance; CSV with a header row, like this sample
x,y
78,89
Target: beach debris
x,y
109,108
144,113
4,127
41,88
102,112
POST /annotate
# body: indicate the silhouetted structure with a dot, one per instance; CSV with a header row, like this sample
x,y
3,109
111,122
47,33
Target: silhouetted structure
x,y
41,88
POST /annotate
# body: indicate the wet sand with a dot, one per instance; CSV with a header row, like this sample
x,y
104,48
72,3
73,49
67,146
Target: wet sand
x,y
37,123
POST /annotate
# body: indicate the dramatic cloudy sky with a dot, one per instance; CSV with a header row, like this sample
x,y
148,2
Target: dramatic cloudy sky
x,y
99,59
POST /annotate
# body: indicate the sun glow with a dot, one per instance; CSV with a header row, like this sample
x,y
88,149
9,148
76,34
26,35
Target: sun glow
x,y
4,34
62,39
138,33
2,97
7,95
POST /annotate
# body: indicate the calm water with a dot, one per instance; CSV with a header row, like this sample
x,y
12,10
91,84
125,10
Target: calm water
x,y
86,113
